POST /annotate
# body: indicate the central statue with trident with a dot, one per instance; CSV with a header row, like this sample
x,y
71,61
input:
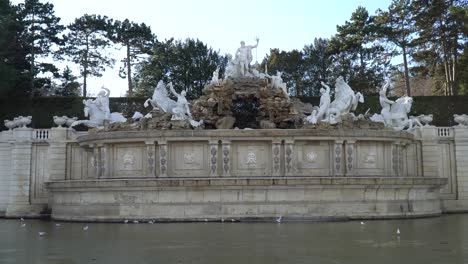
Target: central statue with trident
x,y
244,56
240,65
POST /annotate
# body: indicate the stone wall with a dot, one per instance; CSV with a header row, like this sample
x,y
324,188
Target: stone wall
x,y
31,158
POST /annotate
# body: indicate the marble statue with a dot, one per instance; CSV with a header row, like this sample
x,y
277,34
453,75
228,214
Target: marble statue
x,y
397,115
215,78
98,111
386,104
182,110
323,110
346,100
244,57
102,101
239,66
277,82
179,109
161,99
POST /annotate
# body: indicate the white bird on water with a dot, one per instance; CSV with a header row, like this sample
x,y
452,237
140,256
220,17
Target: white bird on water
x,y
398,231
23,225
278,219
126,221
21,219
85,228
362,223
135,222
150,222
57,225
42,233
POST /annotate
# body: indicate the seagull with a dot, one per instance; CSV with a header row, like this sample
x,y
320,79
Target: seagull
x,y
135,221
222,219
233,220
42,233
85,228
23,225
278,219
206,220
362,223
57,225
126,221
398,231
21,219
151,222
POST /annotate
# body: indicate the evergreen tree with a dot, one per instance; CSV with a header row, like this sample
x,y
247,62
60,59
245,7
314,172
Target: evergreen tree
x,y
397,27
317,66
41,31
86,44
137,40
69,85
188,64
442,26
14,67
356,54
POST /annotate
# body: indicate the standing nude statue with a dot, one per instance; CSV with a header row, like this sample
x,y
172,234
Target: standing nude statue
x,y
244,57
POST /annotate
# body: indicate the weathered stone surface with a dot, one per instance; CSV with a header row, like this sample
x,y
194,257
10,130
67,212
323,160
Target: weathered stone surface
x,y
226,122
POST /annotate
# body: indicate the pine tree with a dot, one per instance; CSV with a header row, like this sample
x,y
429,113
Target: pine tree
x,y
86,44
137,40
41,31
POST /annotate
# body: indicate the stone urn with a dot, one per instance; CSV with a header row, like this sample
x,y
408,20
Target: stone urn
x,y
10,124
70,120
462,120
426,119
60,120
25,120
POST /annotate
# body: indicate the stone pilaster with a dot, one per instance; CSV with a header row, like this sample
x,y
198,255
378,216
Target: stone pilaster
x,y
20,181
276,164
338,164
213,158
103,160
226,148
461,159
57,154
430,151
288,158
350,157
163,158
95,160
150,158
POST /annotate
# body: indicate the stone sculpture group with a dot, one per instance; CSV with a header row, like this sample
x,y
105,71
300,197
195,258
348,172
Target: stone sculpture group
x,y
394,114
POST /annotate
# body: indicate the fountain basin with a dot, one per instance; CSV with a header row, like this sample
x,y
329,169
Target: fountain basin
x,y
190,175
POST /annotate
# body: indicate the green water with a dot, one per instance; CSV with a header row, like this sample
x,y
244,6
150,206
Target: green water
x,y
430,240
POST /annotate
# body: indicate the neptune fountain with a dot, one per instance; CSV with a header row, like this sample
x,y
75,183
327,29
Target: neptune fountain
x,y
246,150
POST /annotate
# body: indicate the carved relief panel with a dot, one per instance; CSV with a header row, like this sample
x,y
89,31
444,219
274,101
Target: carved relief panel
x,y
251,158
370,158
189,158
313,158
129,160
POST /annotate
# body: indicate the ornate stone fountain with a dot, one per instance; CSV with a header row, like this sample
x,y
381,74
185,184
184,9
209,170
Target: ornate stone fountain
x,y
182,164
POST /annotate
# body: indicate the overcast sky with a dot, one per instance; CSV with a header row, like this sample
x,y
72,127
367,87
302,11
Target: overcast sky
x,y
285,25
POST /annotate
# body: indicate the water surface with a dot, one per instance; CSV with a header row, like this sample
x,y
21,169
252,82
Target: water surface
x,y
430,240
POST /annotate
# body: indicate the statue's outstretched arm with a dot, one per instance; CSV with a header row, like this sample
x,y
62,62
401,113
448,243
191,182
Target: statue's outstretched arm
x,y
107,91
171,88
256,39
326,86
